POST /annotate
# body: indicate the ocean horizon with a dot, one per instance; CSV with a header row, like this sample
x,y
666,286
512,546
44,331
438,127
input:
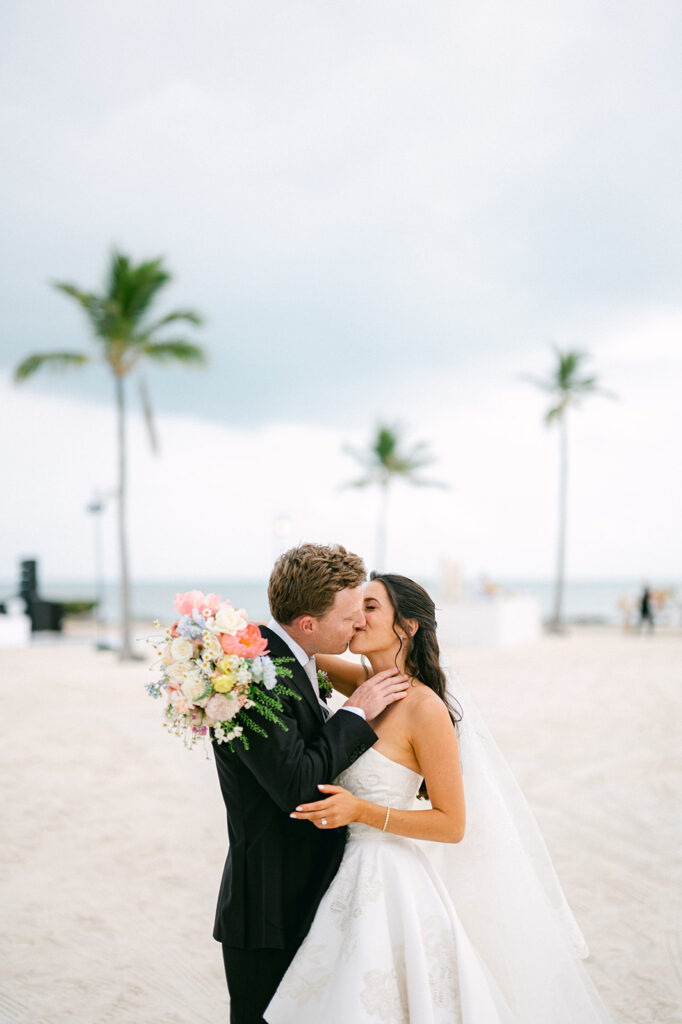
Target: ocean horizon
x,y
599,601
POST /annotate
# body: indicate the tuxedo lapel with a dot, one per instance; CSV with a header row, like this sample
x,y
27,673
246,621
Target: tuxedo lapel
x,y
299,680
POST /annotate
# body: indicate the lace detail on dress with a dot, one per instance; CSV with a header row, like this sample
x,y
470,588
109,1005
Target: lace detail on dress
x,y
384,993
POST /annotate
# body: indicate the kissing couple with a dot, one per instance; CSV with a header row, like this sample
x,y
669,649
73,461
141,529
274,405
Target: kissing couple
x,y
383,864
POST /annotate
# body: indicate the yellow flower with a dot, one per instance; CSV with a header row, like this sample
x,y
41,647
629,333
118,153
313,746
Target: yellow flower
x,y
223,684
228,664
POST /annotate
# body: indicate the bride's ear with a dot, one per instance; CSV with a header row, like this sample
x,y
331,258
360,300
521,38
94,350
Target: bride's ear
x,y
411,626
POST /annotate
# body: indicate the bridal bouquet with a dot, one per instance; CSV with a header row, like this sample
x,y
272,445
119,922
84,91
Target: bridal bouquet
x,y
216,675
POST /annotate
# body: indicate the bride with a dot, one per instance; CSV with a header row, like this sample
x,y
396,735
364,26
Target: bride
x,y
431,918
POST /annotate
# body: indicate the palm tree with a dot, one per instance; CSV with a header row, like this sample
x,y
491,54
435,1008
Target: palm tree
x,y
568,387
126,337
384,461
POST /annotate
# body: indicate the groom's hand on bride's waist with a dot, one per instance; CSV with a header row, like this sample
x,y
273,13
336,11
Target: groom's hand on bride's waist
x,y
377,692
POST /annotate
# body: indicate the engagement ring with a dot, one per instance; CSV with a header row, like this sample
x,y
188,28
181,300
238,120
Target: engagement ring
x,y
323,821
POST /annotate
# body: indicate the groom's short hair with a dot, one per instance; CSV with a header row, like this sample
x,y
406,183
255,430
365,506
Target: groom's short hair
x,y
306,579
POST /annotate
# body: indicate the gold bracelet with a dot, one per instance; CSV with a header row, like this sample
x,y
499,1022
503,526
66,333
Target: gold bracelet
x,y
388,811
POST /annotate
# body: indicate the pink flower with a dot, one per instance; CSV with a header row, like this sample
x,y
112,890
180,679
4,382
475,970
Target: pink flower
x,y
184,604
221,708
247,643
179,702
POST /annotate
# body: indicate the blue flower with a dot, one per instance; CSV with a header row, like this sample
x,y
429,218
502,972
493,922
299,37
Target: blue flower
x,y
263,671
191,626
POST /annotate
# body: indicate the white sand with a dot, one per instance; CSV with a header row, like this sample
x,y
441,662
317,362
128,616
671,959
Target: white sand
x,y
114,836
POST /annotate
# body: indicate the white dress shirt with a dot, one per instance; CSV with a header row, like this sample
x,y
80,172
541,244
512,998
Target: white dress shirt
x,y
308,665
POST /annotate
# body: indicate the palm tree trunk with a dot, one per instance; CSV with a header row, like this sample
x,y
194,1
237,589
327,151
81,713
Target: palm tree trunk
x,y
126,653
382,520
556,622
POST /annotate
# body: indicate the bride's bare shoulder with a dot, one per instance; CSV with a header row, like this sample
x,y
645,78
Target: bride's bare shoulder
x,y
426,707
421,693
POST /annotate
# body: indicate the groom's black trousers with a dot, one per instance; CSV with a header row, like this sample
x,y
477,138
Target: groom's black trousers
x,y
252,978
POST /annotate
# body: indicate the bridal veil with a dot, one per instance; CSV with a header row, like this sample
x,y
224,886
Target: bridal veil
x,y
506,892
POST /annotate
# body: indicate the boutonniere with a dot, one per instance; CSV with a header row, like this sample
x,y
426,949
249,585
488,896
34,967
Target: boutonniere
x,y
324,683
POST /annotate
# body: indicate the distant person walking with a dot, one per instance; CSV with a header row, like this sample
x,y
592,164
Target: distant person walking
x,y
645,610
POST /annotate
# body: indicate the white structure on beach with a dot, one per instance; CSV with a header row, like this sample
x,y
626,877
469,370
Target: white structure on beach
x,y
498,621
492,619
15,626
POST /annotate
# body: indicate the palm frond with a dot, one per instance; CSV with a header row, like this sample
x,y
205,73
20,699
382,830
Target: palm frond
x,y
51,360
386,442
119,270
187,315
175,350
385,460
545,384
95,306
133,287
566,384
418,458
366,459
555,413
76,293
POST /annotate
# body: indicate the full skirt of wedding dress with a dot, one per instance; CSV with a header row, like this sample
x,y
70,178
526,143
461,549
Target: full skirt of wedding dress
x,y
387,946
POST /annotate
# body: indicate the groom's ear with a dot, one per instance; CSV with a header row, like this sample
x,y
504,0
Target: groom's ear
x,y
306,623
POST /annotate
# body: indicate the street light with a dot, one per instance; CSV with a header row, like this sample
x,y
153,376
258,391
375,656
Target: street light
x,y
95,509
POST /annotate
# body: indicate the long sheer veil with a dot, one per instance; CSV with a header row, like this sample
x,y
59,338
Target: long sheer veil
x,y
506,892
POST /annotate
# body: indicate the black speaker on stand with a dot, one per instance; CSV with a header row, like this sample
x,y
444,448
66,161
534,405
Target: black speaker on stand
x,y
44,615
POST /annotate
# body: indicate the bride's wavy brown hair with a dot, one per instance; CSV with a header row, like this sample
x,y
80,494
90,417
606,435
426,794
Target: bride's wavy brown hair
x,y
409,600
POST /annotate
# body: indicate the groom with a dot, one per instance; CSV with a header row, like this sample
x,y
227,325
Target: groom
x,y
277,871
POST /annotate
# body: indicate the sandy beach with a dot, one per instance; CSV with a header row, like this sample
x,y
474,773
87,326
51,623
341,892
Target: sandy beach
x,y
114,836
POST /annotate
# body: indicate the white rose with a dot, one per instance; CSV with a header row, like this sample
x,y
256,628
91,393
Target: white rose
x,y
178,670
181,648
230,620
193,687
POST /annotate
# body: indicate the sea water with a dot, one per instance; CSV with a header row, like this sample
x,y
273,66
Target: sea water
x,y
586,601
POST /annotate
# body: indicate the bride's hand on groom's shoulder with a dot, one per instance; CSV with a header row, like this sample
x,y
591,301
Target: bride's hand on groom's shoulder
x,y
377,692
338,809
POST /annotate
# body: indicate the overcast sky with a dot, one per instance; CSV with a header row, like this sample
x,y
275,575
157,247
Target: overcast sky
x,y
383,210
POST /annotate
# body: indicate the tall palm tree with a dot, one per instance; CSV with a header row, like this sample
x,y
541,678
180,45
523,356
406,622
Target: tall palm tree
x,y
568,386
386,460
126,336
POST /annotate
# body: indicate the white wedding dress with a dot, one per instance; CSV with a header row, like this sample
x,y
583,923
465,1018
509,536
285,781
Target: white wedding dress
x,y
412,932
386,943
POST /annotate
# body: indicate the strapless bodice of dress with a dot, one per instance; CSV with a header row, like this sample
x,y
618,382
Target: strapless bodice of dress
x,y
374,777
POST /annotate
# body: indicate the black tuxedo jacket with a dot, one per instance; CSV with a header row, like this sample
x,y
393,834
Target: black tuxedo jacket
x,y
278,868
